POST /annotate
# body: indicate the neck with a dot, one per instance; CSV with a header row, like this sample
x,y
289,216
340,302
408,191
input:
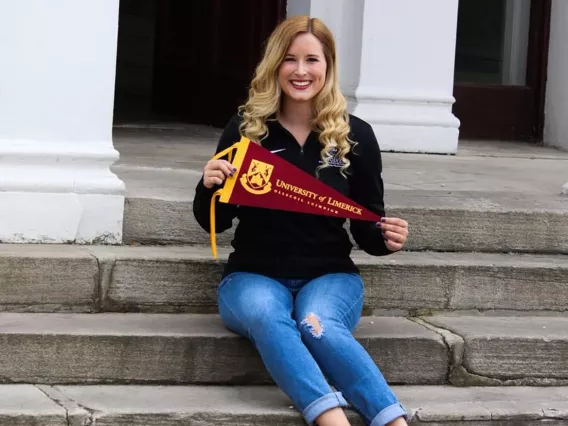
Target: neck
x,y
296,113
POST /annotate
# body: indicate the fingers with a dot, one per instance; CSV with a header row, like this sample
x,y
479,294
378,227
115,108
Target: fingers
x,y
213,177
395,232
395,229
392,246
227,168
395,221
216,171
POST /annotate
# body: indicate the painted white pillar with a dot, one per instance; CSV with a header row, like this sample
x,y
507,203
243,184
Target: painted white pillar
x,y
57,70
407,74
396,67
556,106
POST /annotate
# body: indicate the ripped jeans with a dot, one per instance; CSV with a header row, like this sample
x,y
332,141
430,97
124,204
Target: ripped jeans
x,y
302,330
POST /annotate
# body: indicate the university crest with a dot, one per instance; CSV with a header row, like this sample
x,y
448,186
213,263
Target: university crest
x,y
257,179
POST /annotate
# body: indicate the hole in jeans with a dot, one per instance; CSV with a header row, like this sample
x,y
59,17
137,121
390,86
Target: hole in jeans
x,y
313,324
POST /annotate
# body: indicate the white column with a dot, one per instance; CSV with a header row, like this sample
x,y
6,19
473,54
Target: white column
x,y
57,70
556,108
396,62
407,74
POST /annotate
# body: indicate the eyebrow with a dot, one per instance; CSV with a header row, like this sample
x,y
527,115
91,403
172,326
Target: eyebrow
x,y
315,55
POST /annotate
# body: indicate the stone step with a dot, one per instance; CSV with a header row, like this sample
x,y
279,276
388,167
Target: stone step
x,y
198,349
505,350
47,278
458,221
181,348
266,405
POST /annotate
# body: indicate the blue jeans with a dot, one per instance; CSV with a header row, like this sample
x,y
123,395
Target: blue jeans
x,y
302,330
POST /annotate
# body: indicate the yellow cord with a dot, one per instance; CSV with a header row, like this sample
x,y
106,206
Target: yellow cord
x,y
212,222
212,228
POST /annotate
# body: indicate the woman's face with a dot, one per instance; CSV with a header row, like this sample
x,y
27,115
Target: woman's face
x,y
302,72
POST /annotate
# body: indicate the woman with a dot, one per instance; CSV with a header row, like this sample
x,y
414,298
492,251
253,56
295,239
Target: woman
x,y
290,285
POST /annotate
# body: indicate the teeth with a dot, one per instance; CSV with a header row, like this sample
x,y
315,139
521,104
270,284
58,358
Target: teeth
x,y
300,83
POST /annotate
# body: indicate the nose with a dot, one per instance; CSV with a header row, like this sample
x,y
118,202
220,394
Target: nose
x,y
301,68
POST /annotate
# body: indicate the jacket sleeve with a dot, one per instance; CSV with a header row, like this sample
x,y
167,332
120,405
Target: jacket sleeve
x,y
224,213
366,189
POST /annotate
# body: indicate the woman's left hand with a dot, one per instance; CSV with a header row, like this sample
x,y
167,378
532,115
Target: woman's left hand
x,y
395,232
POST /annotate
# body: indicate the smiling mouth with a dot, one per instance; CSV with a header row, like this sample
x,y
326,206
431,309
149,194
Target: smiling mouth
x,y
300,85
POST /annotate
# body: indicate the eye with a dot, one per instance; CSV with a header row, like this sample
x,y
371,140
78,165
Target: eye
x,y
313,60
289,59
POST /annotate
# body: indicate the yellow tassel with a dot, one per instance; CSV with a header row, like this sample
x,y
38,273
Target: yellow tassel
x,y
212,222
227,190
217,194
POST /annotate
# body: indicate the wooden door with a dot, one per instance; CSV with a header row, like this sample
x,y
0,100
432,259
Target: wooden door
x,y
501,66
206,53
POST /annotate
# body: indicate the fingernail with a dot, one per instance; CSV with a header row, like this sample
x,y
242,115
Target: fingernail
x,y
234,169
231,175
378,224
383,219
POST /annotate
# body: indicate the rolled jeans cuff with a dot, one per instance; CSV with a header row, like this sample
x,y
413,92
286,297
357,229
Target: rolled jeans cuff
x,y
320,406
389,414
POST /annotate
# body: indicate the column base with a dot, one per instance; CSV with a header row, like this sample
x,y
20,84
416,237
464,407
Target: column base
x,y
417,139
32,217
422,124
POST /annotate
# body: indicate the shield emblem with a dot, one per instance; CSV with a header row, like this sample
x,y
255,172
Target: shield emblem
x,y
257,179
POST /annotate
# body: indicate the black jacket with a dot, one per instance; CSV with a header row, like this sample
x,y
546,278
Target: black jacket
x,y
284,244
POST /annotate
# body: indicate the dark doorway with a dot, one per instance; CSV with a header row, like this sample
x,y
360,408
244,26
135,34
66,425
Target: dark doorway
x,y
500,74
189,61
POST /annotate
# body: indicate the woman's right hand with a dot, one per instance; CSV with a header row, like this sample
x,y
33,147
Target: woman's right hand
x,y
216,171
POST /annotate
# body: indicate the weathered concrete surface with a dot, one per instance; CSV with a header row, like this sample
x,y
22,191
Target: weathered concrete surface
x,y
25,405
511,348
438,223
252,406
486,223
47,278
76,415
496,197
158,279
159,348
464,281
185,279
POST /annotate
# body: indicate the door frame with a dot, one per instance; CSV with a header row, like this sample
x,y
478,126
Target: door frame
x,y
510,112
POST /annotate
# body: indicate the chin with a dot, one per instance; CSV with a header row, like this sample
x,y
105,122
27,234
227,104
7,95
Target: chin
x,y
302,98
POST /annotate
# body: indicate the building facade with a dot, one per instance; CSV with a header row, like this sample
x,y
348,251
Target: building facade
x,y
403,65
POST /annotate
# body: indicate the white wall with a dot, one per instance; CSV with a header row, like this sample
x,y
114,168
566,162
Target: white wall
x,y
556,107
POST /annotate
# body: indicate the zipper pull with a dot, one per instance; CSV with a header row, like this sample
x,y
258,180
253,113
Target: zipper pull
x,y
302,151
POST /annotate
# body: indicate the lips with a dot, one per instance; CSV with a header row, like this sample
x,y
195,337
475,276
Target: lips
x,y
300,84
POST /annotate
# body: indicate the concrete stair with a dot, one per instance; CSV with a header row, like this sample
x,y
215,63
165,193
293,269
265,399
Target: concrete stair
x,y
447,222
184,348
197,349
47,278
261,405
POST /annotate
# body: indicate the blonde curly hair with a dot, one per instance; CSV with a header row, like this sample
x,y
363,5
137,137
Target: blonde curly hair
x,y
330,118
